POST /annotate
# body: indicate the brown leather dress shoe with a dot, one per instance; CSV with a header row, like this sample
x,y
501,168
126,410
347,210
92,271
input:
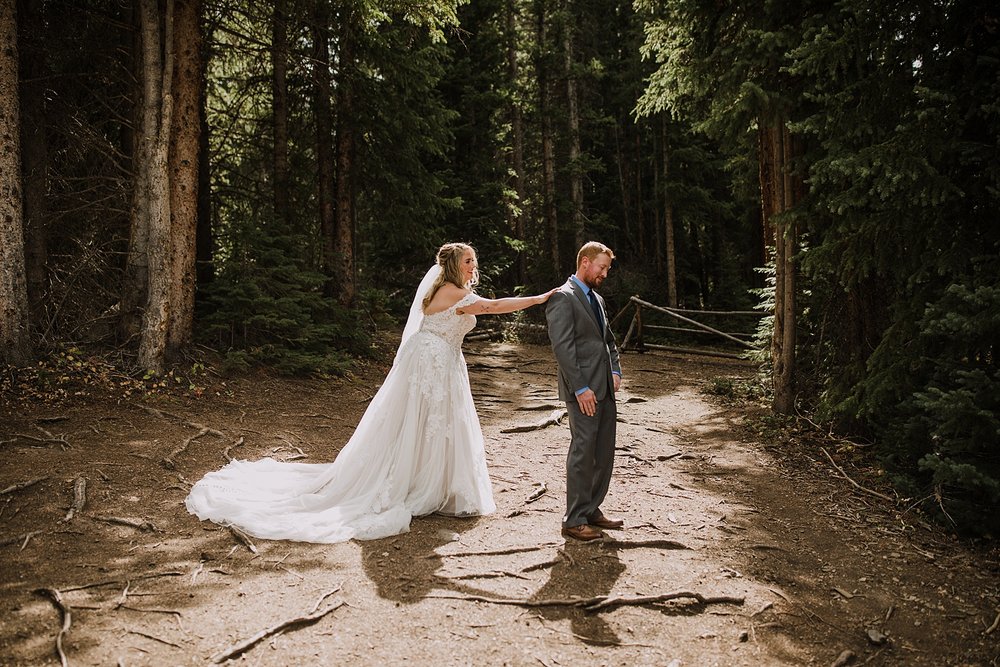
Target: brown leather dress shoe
x,y
604,522
583,532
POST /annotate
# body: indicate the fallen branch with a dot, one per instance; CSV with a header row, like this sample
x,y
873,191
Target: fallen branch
x,y
231,447
14,488
154,638
65,615
996,623
537,493
598,603
138,524
79,498
498,552
242,538
554,419
118,582
243,646
172,417
856,485
607,603
168,462
23,539
61,441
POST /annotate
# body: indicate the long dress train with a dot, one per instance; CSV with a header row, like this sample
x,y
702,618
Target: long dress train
x,y
417,450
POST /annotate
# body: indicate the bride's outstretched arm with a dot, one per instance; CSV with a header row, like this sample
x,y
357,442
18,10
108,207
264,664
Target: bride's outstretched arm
x,y
506,305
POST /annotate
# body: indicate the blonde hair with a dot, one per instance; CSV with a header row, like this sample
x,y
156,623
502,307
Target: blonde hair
x,y
592,249
449,258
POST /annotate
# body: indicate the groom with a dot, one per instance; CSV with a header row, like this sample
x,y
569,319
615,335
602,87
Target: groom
x,y
589,376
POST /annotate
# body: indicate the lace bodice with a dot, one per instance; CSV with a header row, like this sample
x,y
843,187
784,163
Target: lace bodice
x,y
449,325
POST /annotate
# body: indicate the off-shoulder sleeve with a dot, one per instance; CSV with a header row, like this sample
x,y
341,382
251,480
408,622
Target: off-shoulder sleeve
x,y
467,300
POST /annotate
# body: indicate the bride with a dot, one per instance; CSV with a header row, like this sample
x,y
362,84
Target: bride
x,y
417,450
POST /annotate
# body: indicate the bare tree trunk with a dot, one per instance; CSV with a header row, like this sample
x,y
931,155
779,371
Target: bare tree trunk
x,y
145,114
548,143
346,153
34,157
516,208
279,92
159,106
778,196
573,112
785,246
670,246
14,339
185,132
204,238
658,235
322,108
640,221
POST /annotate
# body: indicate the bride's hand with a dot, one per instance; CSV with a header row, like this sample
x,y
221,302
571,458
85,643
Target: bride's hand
x,y
542,298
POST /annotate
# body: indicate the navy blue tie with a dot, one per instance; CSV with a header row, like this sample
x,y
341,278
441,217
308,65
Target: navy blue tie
x,y
597,309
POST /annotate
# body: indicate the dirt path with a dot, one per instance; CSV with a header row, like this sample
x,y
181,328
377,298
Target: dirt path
x,y
711,509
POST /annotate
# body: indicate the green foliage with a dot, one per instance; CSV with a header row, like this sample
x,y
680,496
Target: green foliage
x,y
267,307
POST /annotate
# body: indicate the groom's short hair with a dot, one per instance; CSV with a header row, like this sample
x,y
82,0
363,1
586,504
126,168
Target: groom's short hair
x,y
592,249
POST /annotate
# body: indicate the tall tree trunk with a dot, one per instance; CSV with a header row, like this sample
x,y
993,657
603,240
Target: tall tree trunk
x,y
516,208
548,142
640,220
322,109
34,154
279,93
157,113
573,113
14,340
204,237
778,196
657,228
145,119
346,153
670,245
185,130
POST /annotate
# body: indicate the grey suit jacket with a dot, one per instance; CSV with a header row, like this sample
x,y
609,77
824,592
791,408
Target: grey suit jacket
x,y
586,354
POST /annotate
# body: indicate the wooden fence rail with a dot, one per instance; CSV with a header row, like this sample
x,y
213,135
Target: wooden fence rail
x,y
634,336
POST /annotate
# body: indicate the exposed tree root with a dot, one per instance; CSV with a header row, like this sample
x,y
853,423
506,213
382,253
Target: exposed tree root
x,y
241,647
600,602
79,498
66,616
14,488
243,539
231,447
554,419
168,461
138,524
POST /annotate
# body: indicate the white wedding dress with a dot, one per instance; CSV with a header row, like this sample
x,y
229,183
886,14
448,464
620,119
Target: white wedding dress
x,y
417,450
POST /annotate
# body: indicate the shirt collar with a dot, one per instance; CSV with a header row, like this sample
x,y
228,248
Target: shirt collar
x,y
583,286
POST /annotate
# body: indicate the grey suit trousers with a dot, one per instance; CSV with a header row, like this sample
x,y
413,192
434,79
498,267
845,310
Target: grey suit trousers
x,y
590,460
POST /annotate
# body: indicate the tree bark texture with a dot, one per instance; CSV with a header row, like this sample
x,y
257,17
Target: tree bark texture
x,y
322,108
670,246
346,158
185,130
573,113
778,196
279,93
516,208
548,143
157,35
34,155
14,339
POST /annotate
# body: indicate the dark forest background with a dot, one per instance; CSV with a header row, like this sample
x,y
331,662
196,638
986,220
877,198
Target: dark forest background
x,y
270,180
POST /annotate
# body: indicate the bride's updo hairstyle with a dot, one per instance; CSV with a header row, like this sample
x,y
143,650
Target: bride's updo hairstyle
x,y
449,258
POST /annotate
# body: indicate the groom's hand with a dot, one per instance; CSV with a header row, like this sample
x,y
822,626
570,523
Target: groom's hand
x,y
588,402
618,381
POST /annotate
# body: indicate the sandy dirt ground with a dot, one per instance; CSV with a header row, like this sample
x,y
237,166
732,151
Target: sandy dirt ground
x,y
743,544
